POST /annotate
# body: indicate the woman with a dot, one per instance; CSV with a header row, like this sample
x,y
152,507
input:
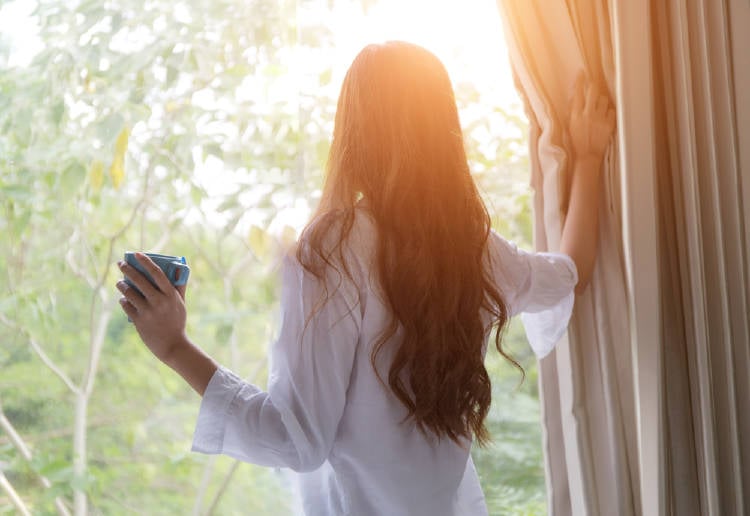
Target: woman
x,y
377,385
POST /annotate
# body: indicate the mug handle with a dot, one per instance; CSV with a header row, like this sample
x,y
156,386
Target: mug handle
x,y
184,271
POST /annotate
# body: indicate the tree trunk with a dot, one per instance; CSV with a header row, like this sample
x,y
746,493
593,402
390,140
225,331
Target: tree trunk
x,y
79,452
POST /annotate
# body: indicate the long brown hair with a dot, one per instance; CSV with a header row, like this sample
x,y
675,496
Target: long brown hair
x,y
397,143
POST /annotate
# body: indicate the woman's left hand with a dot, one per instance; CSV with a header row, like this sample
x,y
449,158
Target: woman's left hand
x,y
159,312
591,122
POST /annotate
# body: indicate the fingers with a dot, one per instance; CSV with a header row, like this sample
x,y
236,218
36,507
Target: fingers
x,y
181,289
139,280
589,99
591,119
132,296
161,280
128,308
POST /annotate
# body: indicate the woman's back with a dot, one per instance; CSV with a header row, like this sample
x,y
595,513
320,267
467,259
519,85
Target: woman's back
x,y
380,462
327,413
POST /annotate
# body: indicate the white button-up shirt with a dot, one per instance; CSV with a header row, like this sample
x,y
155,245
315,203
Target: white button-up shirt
x,y
326,415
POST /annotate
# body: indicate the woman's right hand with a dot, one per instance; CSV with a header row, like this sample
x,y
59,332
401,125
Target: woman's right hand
x,y
157,310
592,121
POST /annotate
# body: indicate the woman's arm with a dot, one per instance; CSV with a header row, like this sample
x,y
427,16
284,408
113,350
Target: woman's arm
x,y
592,121
294,423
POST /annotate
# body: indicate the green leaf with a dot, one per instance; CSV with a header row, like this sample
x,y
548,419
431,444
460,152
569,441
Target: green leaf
x,y
259,241
56,470
57,112
228,203
117,169
213,149
122,142
172,74
71,179
17,192
197,194
110,127
223,331
325,77
96,175
232,222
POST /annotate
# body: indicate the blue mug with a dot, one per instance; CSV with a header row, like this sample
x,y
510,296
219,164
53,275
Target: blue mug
x,y
169,264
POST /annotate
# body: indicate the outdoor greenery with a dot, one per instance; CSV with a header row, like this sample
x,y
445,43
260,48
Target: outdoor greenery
x,y
200,129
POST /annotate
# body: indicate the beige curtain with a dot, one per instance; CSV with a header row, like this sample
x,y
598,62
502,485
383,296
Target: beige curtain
x,y
701,62
647,409
587,384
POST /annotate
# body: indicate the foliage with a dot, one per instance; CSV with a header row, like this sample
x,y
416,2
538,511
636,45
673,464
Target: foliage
x,y
166,126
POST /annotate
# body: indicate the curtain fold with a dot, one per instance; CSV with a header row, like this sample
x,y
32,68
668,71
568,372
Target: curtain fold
x,y
703,217
646,402
586,387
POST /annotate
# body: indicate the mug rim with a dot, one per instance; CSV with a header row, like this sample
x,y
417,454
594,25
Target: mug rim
x,y
158,256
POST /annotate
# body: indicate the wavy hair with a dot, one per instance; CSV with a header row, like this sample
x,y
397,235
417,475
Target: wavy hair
x,y
397,144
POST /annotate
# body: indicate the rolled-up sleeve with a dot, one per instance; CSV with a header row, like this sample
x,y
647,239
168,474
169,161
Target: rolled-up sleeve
x,y
539,286
292,424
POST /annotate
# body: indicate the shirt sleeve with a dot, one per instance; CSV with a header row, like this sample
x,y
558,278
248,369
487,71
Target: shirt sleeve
x,y
294,423
540,286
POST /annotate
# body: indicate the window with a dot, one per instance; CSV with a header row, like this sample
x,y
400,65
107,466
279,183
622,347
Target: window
x,y
200,129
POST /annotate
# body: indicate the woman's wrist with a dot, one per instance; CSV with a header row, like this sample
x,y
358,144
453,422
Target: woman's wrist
x,y
591,163
170,350
192,363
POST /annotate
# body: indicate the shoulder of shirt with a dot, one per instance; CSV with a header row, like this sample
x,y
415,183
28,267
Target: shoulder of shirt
x,y
357,248
496,243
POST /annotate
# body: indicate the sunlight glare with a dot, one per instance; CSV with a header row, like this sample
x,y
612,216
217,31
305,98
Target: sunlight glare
x,y
466,35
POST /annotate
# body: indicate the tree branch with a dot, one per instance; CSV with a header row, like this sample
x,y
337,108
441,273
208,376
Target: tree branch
x,y
14,498
223,487
208,472
98,333
202,253
240,264
15,437
97,341
58,433
74,267
25,452
52,366
42,355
